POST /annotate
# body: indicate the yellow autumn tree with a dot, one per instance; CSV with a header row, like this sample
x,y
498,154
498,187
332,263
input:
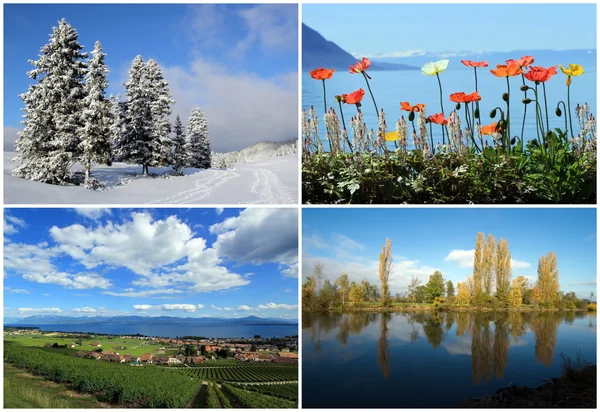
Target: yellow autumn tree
x,y
489,264
385,267
462,295
503,270
547,282
478,266
514,297
356,294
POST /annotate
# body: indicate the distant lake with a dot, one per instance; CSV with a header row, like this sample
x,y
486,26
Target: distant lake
x,y
171,331
415,360
392,87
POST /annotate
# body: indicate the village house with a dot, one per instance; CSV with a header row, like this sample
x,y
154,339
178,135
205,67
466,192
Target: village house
x,y
98,344
147,358
174,361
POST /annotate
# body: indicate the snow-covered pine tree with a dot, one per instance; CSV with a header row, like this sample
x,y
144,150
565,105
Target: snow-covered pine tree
x,y
180,155
160,108
136,144
49,143
95,138
118,117
198,144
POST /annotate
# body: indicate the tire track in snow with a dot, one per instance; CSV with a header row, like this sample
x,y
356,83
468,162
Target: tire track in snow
x,y
203,187
268,186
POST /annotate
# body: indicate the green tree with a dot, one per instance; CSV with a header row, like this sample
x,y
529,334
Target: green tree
x,y
435,287
413,287
253,348
421,294
356,294
343,286
449,289
462,297
309,293
385,267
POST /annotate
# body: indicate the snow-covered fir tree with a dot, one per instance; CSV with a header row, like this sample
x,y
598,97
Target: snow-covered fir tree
x,y
198,144
136,145
180,155
118,120
95,137
49,143
160,108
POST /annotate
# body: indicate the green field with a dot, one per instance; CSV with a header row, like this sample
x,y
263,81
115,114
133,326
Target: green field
x,y
122,385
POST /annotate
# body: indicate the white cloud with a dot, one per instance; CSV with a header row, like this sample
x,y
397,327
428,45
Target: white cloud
x,y
84,310
29,258
169,307
219,211
283,306
12,224
26,311
45,294
466,258
393,54
244,308
143,293
92,213
260,236
10,137
72,281
263,109
25,291
287,290
586,283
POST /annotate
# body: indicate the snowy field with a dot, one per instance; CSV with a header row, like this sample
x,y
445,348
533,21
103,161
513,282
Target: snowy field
x,y
273,181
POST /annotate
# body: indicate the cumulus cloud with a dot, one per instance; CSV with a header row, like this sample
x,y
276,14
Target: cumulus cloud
x,y
260,236
25,291
219,210
84,310
93,213
465,259
12,224
244,308
72,281
28,311
276,306
10,137
35,258
143,293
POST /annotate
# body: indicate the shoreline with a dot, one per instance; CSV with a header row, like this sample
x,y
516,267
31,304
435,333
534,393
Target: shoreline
x,y
380,309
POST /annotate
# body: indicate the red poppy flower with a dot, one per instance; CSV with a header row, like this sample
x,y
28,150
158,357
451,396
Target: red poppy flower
x,y
354,97
360,66
461,97
506,70
540,74
322,74
522,62
491,129
471,63
407,107
438,118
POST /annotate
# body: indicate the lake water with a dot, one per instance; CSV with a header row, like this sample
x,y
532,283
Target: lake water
x,y
172,331
366,360
392,87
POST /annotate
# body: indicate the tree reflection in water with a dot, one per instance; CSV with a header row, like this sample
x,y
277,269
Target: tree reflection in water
x,y
545,329
383,351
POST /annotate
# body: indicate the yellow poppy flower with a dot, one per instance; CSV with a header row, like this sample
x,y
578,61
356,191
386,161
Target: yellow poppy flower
x,y
573,70
392,136
433,68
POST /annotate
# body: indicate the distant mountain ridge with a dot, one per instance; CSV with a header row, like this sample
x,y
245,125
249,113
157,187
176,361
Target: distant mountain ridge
x,y
319,52
152,320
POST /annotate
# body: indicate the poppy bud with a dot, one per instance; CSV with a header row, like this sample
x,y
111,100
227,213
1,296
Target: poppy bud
x,y
558,112
513,140
548,134
526,100
502,124
457,106
477,113
505,97
427,121
493,113
411,116
338,98
534,142
524,88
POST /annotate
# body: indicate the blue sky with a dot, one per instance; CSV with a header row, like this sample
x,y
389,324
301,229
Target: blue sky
x,y
425,240
176,262
218,57
370,29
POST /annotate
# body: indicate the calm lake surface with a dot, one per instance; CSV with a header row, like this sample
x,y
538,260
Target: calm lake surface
x,y
171,331
366,360
392,87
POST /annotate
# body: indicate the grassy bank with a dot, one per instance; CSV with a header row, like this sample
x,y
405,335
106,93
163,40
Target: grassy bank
x,y
426,307
24,390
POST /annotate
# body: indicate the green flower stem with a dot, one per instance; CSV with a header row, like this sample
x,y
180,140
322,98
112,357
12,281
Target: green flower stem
x,y
471,128
442,106
324,97
524,112
431,138
546,106
565,113
538,113
569,104
344,124
507,115
476,103
372,97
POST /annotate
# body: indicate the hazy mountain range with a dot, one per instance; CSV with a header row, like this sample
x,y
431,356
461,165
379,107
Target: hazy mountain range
x,y
319,52
152,320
